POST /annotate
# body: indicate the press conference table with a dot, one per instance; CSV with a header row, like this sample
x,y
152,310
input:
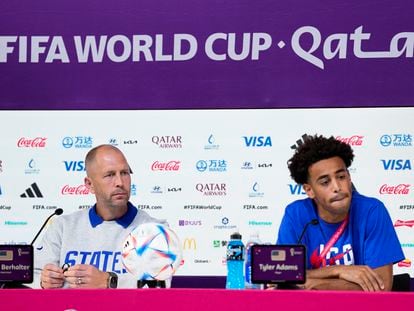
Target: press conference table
x,y
201,299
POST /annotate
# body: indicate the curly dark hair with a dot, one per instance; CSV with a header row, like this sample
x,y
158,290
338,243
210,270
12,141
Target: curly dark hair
x,y
314,149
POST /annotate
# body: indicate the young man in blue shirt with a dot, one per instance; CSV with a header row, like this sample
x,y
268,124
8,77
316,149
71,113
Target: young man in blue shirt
x,y
350,240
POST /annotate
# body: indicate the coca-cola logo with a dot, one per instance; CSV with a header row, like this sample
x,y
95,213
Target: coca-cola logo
x,y
38,142
399,189
75,190
166,166
355,140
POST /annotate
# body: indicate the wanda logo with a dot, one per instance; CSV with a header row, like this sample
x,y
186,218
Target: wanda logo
x,y
166,166
76,190
38,142
399,189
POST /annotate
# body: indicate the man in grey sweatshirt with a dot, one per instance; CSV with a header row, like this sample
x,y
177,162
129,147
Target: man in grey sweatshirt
x,y
89,242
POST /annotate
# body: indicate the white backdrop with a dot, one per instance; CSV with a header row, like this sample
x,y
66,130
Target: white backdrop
x,y
228,169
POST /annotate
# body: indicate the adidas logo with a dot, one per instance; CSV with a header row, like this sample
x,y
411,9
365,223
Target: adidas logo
x,y
299,142
32,192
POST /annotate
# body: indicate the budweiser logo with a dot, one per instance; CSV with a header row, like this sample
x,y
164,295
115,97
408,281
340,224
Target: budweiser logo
x,y
77,190
406,263
404,223
399,189
38,142
355,140
166,166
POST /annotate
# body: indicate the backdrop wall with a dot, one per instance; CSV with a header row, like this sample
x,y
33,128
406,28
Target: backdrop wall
x,y
208,172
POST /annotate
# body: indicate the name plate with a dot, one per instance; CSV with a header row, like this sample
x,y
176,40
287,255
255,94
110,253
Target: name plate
x,y
273,264
16,263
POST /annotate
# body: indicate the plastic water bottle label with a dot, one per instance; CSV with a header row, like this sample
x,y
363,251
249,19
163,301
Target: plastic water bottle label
x,y
235,252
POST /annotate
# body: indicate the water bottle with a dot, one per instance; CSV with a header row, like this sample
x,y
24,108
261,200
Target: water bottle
x,y
253,239
235,261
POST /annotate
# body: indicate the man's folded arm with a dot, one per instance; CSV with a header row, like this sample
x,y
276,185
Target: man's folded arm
x,y
352,277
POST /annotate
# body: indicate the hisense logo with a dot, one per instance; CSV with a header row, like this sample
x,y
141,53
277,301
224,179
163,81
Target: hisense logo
x,y
259,223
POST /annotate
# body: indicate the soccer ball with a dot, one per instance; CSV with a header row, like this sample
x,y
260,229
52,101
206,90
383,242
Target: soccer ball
x,y
152,251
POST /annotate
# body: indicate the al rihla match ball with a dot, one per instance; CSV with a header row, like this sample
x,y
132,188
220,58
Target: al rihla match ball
x,y
152,251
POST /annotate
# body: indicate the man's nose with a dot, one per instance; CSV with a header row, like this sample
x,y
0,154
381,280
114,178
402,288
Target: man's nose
x,y
118,180
336,185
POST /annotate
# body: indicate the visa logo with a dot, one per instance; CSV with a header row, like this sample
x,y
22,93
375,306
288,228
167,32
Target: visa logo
x,y
257,141
296,189
74,166
396,164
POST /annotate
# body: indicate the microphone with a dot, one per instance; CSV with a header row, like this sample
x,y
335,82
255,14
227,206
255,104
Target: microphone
x,y
58,212
312,222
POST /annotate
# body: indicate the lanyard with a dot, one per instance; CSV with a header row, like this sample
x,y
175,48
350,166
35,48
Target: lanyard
x,y
318,261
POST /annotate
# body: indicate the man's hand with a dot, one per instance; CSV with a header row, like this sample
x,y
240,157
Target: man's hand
x,y
353,277
364,276
86,276
51,277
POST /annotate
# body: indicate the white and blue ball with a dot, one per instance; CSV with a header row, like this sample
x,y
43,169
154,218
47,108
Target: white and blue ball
x,y
152,251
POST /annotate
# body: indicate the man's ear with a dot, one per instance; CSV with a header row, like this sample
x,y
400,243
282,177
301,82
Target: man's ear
x,y
309,191
88,184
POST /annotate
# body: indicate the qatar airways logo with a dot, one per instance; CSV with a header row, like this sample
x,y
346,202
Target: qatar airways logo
x,y
166,166
399,189
38,142
167,141
404,223
212,189
75,190
354,140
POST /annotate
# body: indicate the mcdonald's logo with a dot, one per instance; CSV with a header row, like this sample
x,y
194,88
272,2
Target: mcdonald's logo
x,y
190,244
